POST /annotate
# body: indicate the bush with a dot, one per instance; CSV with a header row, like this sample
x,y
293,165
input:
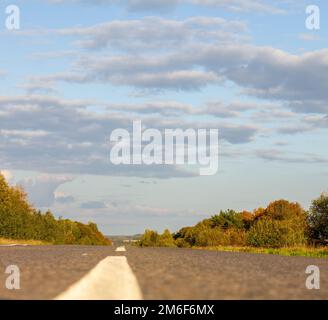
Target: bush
x,y
149,239
266,233
152,239
218,237
237,237
190,234
166,239
271,233
318,220
281,224
182,243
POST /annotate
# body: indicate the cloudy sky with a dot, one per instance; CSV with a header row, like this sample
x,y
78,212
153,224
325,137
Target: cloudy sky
x,y
77,69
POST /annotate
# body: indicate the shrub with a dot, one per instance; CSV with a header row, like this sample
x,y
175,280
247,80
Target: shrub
x,y
266,233
281,224
152,239
237,237
271,233
149,239
218,237
166,239
190,234
182,243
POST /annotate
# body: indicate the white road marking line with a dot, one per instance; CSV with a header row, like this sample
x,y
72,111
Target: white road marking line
x,y
120,249
111,279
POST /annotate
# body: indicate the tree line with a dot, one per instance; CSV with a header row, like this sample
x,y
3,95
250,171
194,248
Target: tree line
x,y
280,224
20,221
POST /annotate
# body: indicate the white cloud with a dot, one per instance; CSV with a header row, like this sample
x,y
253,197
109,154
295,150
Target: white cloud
x,y
41,190
167,5
27,134
242,5
150,33
63,198
290,157
75,139
132,5
93,205
264,72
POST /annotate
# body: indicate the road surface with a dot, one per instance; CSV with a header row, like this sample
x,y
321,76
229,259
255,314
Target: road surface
x,y
81,272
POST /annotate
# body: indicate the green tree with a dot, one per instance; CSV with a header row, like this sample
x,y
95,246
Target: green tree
x,y
228,219
318,219
166,239
149,239
281,224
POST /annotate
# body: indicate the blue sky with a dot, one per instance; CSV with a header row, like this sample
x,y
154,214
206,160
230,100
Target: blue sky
x,y
78,69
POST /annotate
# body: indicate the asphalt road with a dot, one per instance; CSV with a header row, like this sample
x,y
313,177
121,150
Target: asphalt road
x,y
162,273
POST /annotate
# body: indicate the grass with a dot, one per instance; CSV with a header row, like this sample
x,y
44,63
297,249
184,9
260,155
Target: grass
x,y
21,242
321,252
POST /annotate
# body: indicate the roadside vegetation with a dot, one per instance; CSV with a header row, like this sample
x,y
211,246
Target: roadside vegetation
x,y
282,228
306,251
19,221
23,242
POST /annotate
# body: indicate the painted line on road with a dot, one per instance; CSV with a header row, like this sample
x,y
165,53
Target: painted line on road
x,y
111,279
120,249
